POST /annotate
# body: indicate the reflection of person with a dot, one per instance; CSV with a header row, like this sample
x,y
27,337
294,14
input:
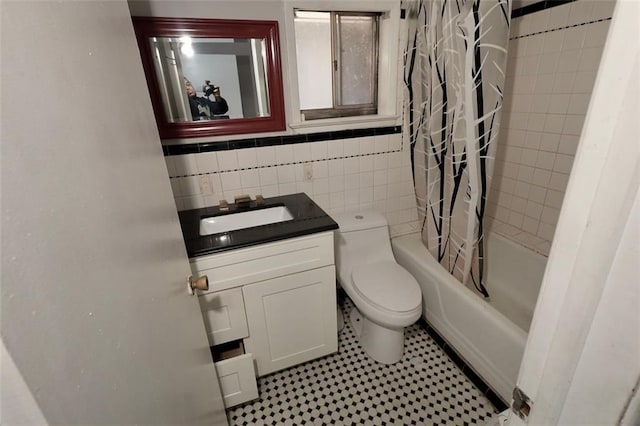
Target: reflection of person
x,y
204,108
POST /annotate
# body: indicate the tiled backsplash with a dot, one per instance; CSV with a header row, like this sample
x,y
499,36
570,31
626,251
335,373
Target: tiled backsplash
x,y
553,59
354,173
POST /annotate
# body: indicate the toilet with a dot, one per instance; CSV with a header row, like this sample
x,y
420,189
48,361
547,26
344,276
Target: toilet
x,y
386,296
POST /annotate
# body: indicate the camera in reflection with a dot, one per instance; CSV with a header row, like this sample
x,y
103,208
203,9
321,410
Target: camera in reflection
x,y
209,89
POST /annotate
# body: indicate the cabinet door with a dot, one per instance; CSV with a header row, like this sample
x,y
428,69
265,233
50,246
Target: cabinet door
x,y
292,319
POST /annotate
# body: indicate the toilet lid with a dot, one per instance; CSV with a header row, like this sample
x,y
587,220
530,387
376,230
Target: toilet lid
x,y
388,285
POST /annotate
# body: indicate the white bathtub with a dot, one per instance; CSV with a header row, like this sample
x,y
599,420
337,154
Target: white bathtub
x,y
490,336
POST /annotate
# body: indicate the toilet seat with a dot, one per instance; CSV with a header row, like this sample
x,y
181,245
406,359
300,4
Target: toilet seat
x,y
388,286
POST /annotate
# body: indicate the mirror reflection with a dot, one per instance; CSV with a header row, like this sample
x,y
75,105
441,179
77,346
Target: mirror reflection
x,y
196,66
211,78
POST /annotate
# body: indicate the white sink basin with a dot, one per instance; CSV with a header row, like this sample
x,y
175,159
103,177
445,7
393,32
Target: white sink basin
x,y
248,219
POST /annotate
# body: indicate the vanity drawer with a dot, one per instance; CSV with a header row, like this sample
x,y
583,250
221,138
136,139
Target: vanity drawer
x,y
265,261
224,315
236,374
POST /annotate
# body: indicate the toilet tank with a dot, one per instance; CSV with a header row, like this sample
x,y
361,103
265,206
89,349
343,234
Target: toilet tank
x,y
363,237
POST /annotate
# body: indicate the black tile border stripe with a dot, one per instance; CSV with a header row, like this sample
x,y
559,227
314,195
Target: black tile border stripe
x,y
537,7
489,393
196,148
561,28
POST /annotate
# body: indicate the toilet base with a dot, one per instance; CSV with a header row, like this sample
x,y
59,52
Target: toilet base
x,y
384,345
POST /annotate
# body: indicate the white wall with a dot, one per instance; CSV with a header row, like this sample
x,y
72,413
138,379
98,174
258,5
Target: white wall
x,y
359,173
17,405
582,358
553,59
609,367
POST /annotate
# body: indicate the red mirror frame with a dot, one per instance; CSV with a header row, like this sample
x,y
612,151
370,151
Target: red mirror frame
x,y
146,27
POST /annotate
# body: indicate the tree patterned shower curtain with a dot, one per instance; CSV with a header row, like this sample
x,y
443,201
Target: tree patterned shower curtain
x,y
454,72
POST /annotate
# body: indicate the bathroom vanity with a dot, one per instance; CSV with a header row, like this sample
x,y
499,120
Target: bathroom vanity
x,y
271,302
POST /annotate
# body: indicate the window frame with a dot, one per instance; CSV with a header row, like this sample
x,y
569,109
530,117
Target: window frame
x,y
389,42
338,109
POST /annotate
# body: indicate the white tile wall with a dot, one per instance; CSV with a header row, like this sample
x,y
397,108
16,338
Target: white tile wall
x,y
553,59
339,175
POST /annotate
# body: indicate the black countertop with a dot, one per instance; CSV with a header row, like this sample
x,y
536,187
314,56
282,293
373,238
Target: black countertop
x,y
308,218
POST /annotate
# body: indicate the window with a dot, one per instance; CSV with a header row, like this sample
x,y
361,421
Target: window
x,y
337,63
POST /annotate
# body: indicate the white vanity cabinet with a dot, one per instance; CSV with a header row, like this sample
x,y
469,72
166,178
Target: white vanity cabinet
x,y
278,299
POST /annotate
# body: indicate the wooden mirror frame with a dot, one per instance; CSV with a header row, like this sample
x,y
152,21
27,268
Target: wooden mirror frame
x,y
146,27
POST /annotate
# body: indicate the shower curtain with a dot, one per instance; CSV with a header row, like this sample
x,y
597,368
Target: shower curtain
x,y
454,72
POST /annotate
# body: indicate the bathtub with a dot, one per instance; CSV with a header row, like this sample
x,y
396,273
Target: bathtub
x,y
489,335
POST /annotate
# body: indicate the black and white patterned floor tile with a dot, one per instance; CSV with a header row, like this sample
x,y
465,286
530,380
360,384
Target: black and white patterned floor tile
x,y
348,387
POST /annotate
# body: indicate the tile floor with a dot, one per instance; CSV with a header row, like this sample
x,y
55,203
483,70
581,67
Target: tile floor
x,y
425,387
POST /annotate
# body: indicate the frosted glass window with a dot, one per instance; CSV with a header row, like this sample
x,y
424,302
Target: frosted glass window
x,y
313,50
337,61
357,55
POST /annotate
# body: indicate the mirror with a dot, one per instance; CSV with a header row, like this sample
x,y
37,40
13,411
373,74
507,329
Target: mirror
x,y
224,78
211,77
